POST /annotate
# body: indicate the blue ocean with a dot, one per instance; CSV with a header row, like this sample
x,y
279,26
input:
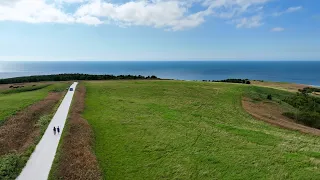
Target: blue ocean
x,y
304,72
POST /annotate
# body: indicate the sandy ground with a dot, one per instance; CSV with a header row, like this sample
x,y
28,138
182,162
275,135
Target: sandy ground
x,y
40,162
271,112
278,85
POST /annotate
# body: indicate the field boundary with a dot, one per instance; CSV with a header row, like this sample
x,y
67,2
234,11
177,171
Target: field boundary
x,y
75,158
260,110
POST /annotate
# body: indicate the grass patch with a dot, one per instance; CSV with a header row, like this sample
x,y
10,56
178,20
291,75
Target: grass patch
x,y
261,93
256,137
12,164
12,103
74,158
24,89
22,132
190,130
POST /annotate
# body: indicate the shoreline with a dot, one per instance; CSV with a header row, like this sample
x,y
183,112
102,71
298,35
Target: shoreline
x,y
200,80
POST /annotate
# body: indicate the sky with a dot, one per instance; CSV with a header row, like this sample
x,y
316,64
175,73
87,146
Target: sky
x,y
58,30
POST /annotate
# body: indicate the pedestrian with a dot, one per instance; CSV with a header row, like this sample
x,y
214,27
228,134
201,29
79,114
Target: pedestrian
x,y
58,130
54,130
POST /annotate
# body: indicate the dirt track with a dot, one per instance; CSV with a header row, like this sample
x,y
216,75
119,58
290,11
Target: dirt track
x,y
271,112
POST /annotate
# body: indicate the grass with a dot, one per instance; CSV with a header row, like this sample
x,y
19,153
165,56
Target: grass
x,y
74,159
11,163
19,99
191,130
24,89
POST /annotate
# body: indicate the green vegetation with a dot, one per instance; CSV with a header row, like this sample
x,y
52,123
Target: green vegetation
x,y
15,100
12,164
301,107
309,90
192,130
240,81
308,109
23,89
258,93
70,77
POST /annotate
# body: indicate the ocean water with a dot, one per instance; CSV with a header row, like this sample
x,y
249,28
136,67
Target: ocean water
x,y
304,72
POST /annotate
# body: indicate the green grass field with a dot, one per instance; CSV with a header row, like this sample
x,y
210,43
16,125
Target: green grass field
x,y
15,100
191,130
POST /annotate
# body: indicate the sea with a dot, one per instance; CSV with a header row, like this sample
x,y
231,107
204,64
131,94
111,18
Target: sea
x,y
302,72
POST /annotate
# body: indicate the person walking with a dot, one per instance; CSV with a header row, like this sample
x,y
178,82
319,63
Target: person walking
x,y
54,130
58,130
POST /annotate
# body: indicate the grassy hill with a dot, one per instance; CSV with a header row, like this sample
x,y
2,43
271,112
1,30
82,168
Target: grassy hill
x,y
191,130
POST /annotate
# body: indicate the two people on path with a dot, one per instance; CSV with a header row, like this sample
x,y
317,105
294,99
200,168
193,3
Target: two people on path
x,y
56,130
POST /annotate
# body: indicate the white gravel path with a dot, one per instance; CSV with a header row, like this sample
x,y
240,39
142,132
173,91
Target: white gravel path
x,y
40,162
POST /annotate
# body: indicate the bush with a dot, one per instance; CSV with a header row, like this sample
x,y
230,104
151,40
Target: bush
x,y
240,81
309,109
290,115
311,119
307,90
8,166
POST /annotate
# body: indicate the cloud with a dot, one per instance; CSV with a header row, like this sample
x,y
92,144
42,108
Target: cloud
x,y
32,11
293,9
168,14
289,10
277,29
250,22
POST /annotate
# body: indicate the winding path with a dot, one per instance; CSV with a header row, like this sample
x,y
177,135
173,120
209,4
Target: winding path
x,y
40,162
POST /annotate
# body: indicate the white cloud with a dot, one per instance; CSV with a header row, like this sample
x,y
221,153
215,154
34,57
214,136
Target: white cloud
x,y
168,14
89,20
250,22
277,29
71,1
293,9
289,10
33,11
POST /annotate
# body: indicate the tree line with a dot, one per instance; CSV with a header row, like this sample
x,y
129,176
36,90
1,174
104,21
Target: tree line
x,y
72,77
240,81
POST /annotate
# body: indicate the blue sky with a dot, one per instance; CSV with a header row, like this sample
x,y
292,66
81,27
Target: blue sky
x,y
159,30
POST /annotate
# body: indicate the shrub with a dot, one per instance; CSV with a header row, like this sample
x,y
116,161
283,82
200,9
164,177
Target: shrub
x,y
8,166
311,119
290,115
241,81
